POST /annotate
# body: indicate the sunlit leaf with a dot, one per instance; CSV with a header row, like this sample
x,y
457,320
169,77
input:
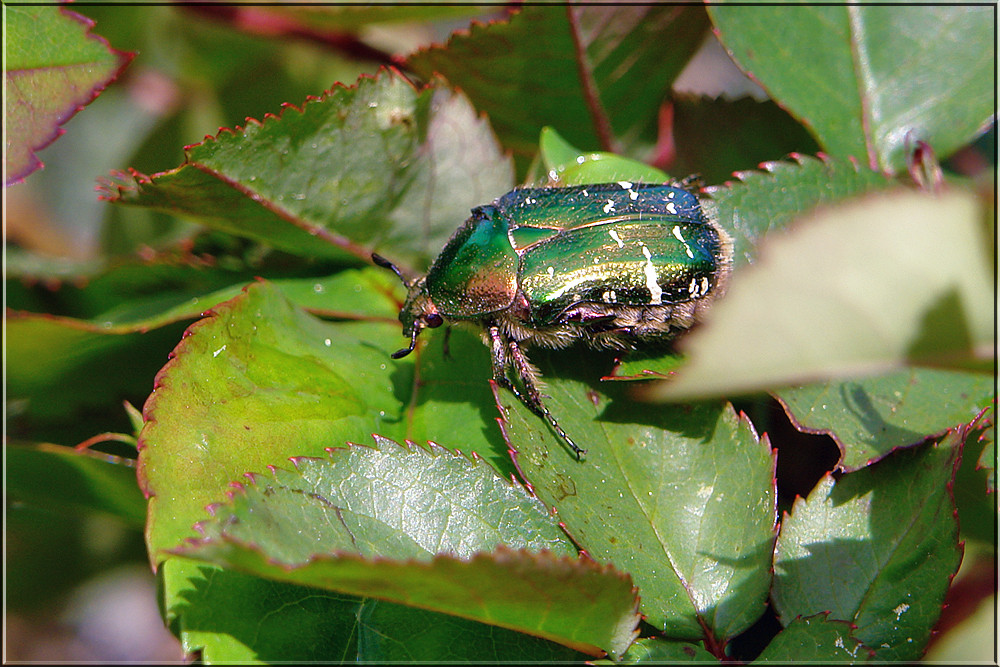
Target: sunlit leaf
x,y
825,301
840,69
680,497
376,166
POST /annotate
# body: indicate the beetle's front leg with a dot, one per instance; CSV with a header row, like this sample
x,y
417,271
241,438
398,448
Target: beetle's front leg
x,y
498,345
531,397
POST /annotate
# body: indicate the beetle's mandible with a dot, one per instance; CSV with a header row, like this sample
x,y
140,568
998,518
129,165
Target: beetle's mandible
x,y
614,265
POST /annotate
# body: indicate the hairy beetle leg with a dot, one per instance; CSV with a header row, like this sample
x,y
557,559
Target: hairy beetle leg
x,y
531,398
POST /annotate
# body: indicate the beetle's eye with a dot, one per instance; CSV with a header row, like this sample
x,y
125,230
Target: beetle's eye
x,y
433,320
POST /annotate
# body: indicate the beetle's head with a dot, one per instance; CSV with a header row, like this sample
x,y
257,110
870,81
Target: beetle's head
x,y
418,311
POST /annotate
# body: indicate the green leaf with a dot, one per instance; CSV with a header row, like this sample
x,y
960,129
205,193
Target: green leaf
x,y
228,616
567,165
254,383
889,533
53,357
856,289
654,650
396,633
838,68
596,74
815,639
376,165
542,595
682,498
871,416
973,487
60,478
57,368
385,501
988,459
54,66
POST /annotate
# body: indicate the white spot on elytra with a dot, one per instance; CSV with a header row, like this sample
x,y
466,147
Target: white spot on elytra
x,y
551,271
625,185
901,609
617,238
655,293
704,285
610,206
679,237
219,351
693,288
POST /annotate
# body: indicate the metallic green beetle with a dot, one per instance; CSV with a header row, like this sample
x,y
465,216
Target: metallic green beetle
x,y
615,265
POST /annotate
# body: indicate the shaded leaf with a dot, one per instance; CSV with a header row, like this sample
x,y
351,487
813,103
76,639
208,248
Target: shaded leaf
x,y
871,416
890,535
838,68
376,165
973,487
596,74
988,459
58,367
54,66
824,301
60,478
390,632
815,639
680,497
574,602
717,137
228,616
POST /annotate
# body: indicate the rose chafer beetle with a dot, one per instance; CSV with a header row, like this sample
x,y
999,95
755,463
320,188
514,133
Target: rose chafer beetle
x,y
615,265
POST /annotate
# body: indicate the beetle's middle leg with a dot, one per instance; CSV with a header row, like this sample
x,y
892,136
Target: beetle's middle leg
x,y
531,397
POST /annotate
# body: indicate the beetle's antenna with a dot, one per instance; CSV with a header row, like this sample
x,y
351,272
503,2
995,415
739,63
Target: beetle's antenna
x,y
386,264
399,354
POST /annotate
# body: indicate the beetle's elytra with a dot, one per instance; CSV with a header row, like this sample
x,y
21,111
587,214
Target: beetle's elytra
x,y
614,265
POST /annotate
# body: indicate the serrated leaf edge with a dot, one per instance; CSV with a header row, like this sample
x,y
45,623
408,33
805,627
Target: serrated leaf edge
x,y
123,58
